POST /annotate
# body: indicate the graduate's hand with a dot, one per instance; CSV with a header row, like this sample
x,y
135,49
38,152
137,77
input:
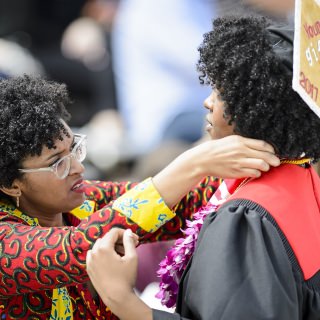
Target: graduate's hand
x,y
113,275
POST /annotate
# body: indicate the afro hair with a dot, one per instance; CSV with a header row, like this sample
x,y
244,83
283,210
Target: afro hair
x,y
31,110
239,60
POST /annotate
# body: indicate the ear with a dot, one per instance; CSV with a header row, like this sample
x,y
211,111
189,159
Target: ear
x,y
13,191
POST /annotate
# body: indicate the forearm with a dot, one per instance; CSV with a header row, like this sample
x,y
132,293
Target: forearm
x,y
178,178
184,210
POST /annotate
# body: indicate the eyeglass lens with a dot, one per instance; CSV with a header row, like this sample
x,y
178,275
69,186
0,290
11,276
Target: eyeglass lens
x,y
63,166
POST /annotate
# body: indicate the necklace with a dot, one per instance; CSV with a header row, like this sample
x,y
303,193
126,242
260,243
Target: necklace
x,y
296,161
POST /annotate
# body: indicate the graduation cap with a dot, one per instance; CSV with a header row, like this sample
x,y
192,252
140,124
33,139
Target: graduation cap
x,y
281,39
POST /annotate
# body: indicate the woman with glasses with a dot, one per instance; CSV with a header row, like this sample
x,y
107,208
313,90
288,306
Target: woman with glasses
x,y
61,167
50,216
254,251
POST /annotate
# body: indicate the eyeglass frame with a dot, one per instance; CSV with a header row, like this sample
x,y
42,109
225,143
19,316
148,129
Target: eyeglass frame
x,y
53,167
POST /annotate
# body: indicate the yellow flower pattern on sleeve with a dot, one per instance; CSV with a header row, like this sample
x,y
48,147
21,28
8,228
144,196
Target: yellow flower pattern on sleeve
x,y
144,206
85,210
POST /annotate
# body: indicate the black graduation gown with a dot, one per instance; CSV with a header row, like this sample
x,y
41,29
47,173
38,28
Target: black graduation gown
x,y
244,268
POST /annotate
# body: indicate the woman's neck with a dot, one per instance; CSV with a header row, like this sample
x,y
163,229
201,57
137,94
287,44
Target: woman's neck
x,y
46,220
55,221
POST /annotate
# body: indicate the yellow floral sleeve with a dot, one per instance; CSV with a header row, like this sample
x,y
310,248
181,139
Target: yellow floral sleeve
x,y
144,206
85,210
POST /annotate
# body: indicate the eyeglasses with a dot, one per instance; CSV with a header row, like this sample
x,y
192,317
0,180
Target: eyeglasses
x,y
61,168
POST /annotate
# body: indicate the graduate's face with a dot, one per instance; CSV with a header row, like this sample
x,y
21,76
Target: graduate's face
x,y
218,126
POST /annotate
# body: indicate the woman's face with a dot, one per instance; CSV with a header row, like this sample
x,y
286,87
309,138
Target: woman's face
x,y
218,126
43,193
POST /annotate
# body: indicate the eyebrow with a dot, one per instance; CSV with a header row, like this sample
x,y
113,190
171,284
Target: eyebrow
x,y
58,153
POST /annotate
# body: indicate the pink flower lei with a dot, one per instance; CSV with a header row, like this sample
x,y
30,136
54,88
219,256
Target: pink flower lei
x,y
177,258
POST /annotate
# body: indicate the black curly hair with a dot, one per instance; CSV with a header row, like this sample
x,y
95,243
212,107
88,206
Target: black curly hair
x,y
31,110
239,60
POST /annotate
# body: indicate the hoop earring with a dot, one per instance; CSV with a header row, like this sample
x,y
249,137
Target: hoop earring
x,y
17,201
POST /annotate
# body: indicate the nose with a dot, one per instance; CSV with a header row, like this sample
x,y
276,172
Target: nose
x,y
76,166
206,103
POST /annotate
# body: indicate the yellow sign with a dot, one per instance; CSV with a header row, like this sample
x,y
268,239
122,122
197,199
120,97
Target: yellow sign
x,y
306,59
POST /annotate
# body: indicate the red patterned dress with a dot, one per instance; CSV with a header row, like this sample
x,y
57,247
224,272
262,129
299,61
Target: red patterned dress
x,y
35,260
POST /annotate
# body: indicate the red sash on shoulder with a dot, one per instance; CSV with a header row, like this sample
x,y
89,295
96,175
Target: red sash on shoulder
x,y
291,194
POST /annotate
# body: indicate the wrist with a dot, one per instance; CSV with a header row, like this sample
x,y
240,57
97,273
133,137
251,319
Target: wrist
x,y
179,177
194,165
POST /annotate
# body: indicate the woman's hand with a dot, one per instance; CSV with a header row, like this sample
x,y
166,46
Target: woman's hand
x,y
114,275
233,157
109,269
229,157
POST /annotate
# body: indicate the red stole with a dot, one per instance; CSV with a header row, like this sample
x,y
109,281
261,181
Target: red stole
x,y
291,194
